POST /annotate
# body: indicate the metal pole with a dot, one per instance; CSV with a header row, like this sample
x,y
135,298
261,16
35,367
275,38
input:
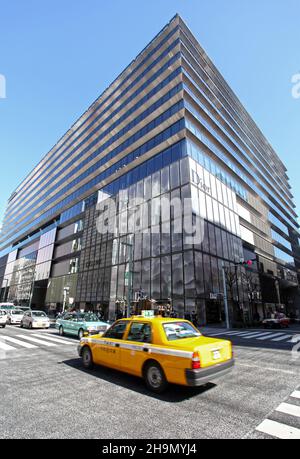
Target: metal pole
x,y
130,246
31,293
5,290
130,264
225,297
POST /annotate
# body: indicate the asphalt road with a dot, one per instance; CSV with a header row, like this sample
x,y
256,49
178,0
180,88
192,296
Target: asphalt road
x,y
45,393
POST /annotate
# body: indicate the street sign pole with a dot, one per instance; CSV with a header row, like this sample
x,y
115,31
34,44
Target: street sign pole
x,y
225,297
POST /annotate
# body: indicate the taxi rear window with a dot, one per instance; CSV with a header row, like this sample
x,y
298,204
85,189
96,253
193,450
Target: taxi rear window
x,y
180,330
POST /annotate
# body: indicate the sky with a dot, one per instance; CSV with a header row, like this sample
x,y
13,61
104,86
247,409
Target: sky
x,y
58,56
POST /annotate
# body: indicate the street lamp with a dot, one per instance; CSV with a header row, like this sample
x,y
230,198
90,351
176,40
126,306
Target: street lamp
x,y
66,291
32,287
130,264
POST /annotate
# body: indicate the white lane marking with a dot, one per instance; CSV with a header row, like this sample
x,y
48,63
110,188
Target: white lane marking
x,y
296,394
268,336
229,333
254,335
21,343
6,347
278,430
34,340
295,339
287,408
281,338
54,339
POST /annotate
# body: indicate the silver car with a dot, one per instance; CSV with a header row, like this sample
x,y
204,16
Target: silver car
x,y
35,319
15,316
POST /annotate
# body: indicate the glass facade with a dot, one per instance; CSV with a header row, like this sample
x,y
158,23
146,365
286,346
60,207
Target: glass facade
x,y
162,186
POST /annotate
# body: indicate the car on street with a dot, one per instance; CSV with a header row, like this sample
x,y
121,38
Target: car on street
x,y
15,316
80,324
160,350
3,318
23,308
35,319
278,321
7,306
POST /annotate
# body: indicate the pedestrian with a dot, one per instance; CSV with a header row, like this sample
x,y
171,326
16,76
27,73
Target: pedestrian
x,y
195,318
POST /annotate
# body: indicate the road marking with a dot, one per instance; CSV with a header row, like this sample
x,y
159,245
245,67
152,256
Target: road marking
x,y
268,336
287,408
6,347
21,343
281,338
277,370
278,430
229,333
295,339
34,340
254,335
54,339
296,394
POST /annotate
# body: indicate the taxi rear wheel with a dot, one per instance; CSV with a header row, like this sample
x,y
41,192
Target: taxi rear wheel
x,y
87,358
155,378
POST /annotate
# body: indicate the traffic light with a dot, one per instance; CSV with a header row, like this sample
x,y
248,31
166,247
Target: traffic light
x,y
248,263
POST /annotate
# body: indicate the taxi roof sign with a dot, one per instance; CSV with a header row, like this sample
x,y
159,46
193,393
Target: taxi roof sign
x,y
148,313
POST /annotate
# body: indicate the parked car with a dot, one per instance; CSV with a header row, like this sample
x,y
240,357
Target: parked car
x,y
3,318
23,308
279,321
35,319
160,350
7,306
15,316
79,324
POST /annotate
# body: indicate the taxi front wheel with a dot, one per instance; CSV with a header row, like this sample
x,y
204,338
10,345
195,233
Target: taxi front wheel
x,y
155,378
87,358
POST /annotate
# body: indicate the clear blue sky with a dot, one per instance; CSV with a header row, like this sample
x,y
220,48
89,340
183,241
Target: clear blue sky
x,y
58,56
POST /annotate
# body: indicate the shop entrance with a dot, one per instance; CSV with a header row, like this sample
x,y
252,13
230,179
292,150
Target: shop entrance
x,y
214,312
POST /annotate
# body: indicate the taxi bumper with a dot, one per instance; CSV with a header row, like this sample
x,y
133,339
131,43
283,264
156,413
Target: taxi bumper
x,y
204,375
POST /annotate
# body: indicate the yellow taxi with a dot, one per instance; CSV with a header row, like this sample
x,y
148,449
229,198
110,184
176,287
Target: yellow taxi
x,y
160,350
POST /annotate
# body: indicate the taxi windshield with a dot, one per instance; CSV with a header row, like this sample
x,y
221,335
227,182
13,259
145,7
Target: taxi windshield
x,y
180,330
88,317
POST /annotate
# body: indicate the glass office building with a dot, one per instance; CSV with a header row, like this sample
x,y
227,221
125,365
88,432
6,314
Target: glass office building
x,y
94,223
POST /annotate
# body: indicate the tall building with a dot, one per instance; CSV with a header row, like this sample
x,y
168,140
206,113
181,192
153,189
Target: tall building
x,y
169,127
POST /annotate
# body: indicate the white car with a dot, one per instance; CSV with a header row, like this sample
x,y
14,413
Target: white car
x,y
3,318
35,319
15,316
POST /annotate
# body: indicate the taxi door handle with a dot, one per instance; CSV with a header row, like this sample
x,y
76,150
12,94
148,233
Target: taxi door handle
x,y
117,345
146,349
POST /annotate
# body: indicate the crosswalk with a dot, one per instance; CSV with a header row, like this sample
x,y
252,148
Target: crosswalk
x,y
288,430
28,340
260,336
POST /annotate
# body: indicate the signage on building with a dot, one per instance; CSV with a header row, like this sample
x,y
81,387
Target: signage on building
x,y
214,296
199,181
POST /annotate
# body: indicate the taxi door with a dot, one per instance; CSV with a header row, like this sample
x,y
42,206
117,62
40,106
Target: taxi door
x,y
106,349
135,348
